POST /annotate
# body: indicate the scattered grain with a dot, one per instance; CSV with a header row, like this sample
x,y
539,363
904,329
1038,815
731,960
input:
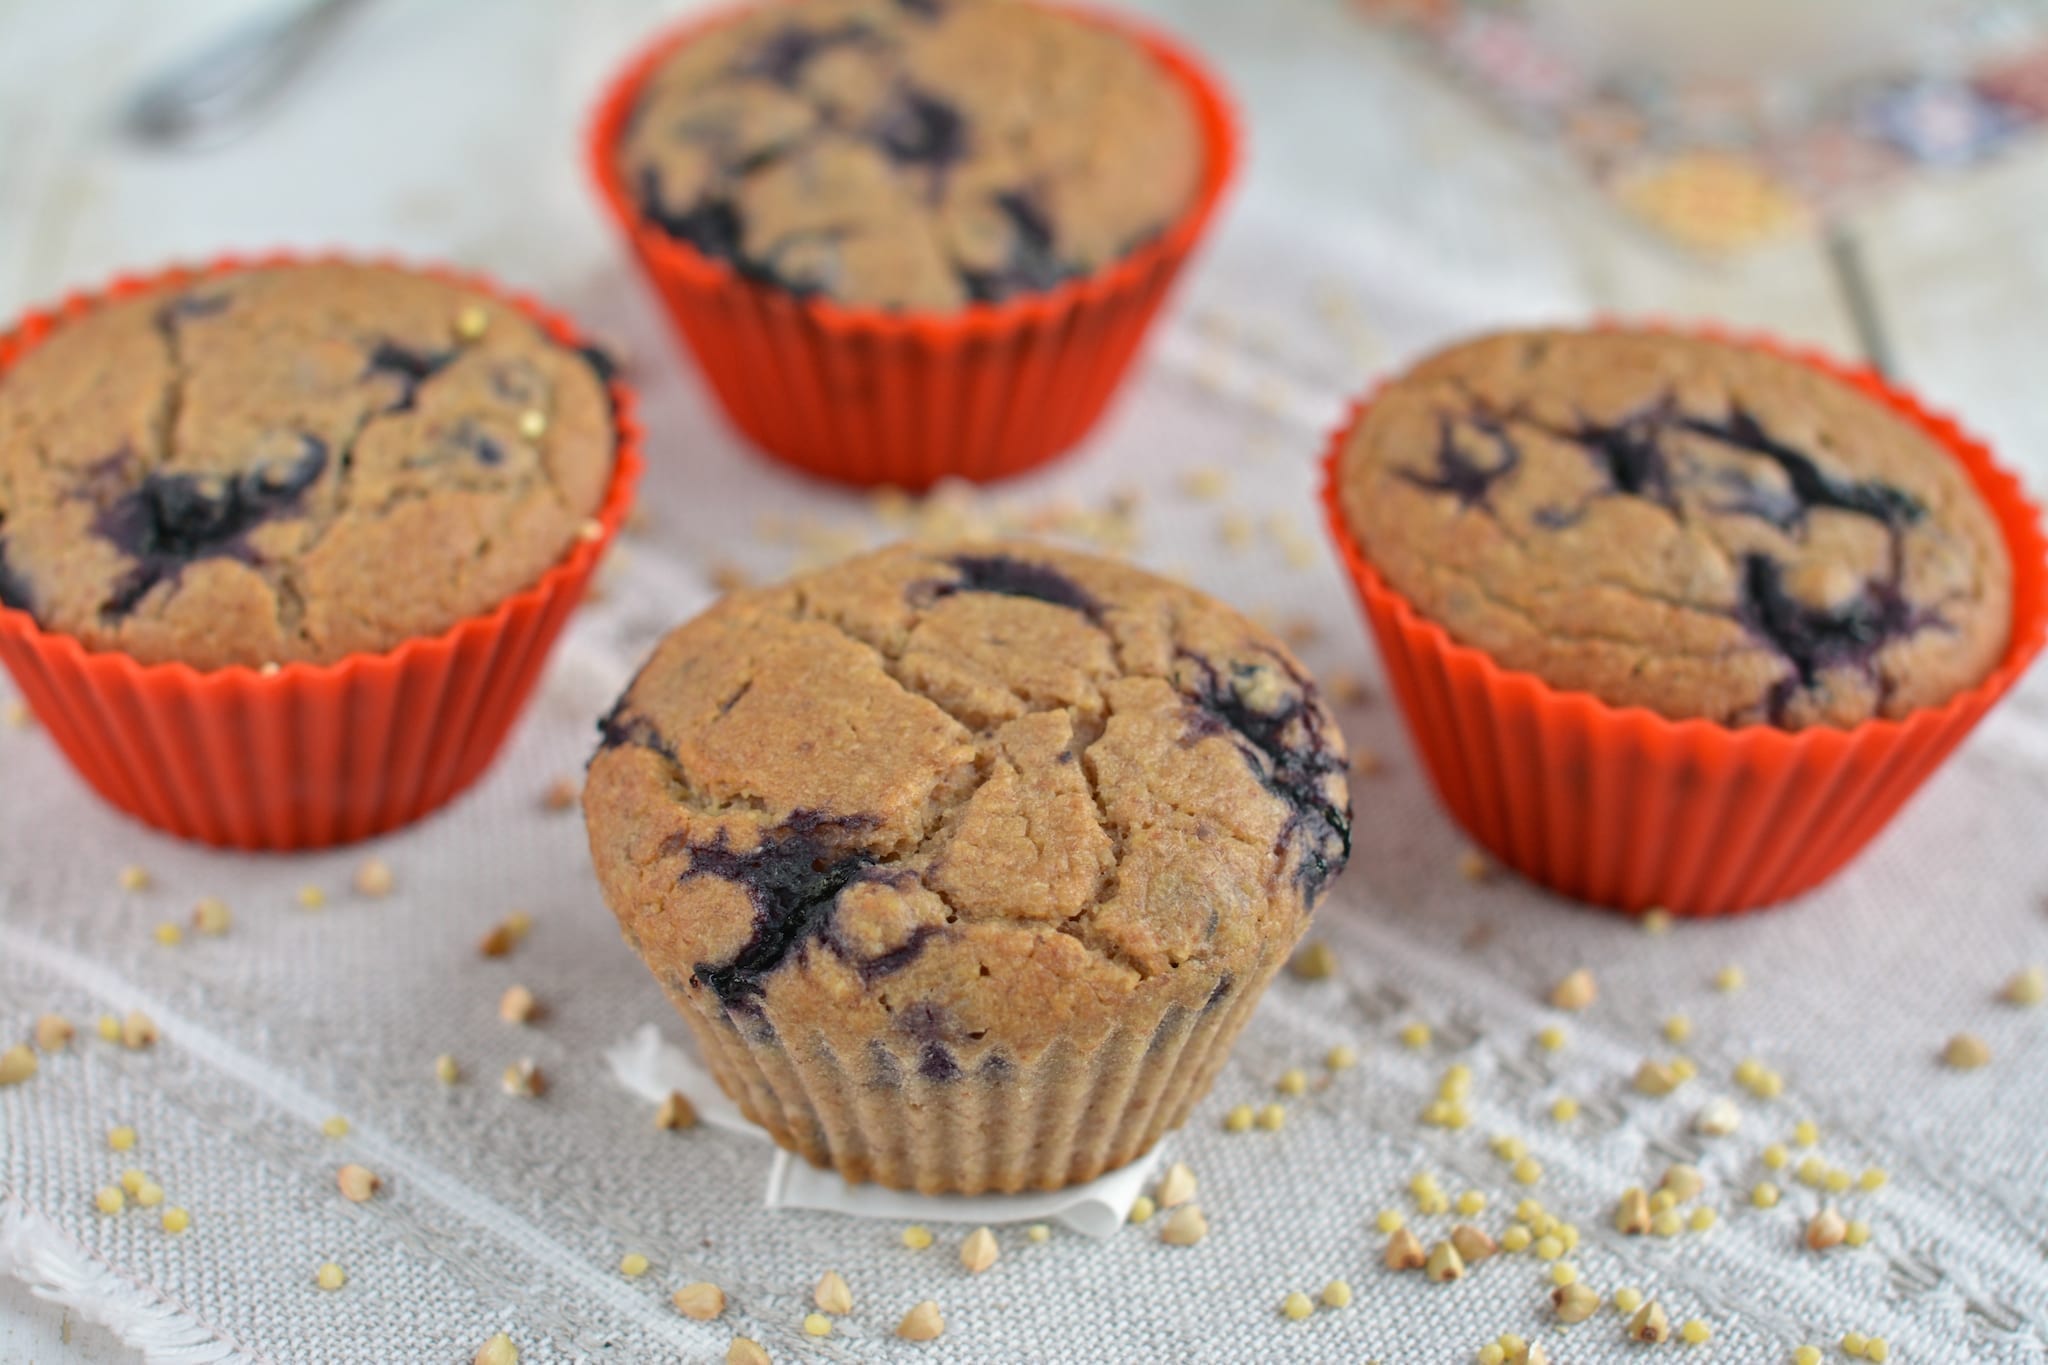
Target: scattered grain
x,y
979,1251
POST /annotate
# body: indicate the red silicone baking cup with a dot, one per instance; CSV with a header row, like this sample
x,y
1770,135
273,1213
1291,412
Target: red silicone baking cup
x,y
307,755
1623,807
866,396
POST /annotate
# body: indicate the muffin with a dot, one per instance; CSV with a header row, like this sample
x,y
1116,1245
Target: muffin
x,y
282,546
1680,524
919,157
1553,529
965,866
908,240
291,464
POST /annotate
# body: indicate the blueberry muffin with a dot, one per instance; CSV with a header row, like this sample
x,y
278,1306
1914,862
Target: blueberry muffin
x,y
292,463
912,154
965,866
1700,528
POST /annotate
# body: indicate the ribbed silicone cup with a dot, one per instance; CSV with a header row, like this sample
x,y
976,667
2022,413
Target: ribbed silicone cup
x,y
309,755
870,397
1081,1109
1622,807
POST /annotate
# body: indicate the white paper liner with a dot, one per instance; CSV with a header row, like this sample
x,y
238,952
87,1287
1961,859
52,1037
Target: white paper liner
x,y
652,1067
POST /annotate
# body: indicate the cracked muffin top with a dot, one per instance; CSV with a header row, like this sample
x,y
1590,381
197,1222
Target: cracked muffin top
x,y
292,463
912,154
1700,528
992,793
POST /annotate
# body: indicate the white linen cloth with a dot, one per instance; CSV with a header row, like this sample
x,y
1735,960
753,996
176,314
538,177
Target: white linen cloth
x,y
510,1214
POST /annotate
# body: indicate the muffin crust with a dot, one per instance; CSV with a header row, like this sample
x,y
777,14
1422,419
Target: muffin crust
x,y
1696,527
292,463
911,154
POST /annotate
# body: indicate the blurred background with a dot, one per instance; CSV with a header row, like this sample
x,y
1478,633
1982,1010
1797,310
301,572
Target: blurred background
x,y
1869,176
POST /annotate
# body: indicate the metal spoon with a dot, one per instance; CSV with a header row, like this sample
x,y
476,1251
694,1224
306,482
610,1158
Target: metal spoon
x,y
218,90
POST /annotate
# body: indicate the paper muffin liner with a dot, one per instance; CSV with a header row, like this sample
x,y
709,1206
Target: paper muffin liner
x,y
1622,807
306,755
1082,1108
872,397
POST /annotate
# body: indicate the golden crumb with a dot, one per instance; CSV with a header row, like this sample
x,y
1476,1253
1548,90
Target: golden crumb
x,y
357,1183
1966,1052
922,1323
1657,1078
1472,1245
1297,1306
446,1069
517,1006
1650,1324
562,794
1730,979
1826,1230
702,1301
675,1111
1313,961
335,1127
979,1251
1239,1119
176,1220
134,878
212,917
632,1265
817,1325
1444,1264
1576,991
1473,866
1272,1117
1185,1227
310,897
1142,1209
832,1294
54,1032
917,1237
1574,1302
1632,1215
2027,987
330,1276
109,1199
374,878
523,1080
138,1030
169,934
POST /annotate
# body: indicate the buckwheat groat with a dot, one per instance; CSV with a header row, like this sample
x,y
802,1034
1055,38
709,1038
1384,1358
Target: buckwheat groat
x,y
966,866
916,154
292,463
1700,528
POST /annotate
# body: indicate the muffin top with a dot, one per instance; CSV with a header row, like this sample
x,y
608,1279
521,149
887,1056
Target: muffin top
x,y
1700,528
912,154
292,463
971,799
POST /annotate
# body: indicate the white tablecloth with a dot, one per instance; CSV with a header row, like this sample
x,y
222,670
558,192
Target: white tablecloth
x,y
448,131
